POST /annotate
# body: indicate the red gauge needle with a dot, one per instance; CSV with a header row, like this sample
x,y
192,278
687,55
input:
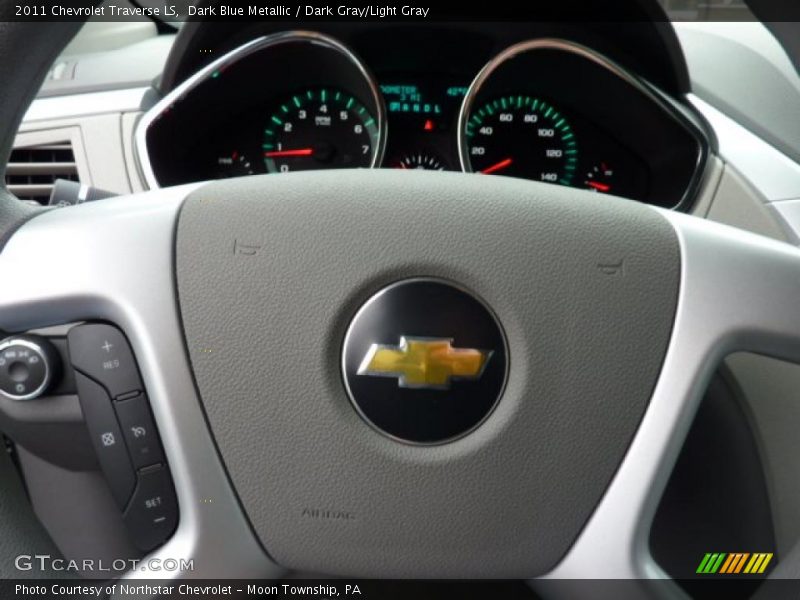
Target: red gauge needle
x,y
297,152
497,166
600,187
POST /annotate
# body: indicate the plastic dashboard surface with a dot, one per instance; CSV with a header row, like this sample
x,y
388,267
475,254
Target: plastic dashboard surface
x,y
546,109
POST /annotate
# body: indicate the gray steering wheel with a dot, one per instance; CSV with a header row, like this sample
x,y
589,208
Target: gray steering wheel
x,y
242,299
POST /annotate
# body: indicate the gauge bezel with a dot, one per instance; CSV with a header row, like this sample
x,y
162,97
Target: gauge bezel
x,y
567,46
260,44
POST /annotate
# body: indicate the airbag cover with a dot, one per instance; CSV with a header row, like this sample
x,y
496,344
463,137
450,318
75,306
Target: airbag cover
x,y
271,270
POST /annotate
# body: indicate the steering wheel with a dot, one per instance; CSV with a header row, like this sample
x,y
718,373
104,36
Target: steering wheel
x,y
258,308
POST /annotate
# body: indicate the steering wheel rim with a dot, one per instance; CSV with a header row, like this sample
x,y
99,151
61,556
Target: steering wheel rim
x,y
714,317
131,284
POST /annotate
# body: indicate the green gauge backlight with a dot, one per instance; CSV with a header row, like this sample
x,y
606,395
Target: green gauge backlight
x,y
323,128
522,136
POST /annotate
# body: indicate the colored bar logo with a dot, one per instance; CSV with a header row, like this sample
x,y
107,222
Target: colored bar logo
x,y
734,563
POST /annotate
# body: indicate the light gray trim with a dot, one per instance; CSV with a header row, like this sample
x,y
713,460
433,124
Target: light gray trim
x,y
762,92
106,271
81,105
726,273
772,173
738,204
235,55
788,212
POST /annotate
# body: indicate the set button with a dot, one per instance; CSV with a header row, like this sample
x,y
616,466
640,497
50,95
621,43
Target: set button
x,y
153,511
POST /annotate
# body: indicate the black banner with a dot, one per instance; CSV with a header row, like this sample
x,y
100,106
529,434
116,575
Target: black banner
x,y
405,11
370,589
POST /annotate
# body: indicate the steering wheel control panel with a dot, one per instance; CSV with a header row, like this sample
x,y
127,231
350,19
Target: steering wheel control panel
x,y
122,431
88,373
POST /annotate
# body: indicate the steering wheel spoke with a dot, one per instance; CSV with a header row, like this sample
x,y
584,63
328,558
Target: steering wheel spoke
x,y
113,261
738,292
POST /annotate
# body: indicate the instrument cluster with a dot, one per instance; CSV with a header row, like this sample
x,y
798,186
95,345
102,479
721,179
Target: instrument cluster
x,y
546,109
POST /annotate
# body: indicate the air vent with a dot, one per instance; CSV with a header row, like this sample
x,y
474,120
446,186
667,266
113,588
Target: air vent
x,y
32,170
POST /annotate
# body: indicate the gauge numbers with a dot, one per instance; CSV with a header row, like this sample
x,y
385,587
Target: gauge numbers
x,y
521,136
319,129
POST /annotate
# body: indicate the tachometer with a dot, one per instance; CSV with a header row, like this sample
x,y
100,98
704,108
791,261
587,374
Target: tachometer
x,y
521,136
320,108
320,129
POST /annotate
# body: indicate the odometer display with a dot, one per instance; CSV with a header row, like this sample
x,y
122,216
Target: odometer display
x,y
319,129
521,136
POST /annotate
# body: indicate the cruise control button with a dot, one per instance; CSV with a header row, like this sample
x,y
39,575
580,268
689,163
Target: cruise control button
x,y
139,430
107,438
102,352
153,512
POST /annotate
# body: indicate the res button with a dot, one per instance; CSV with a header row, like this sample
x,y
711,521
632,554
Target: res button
x,y
101,352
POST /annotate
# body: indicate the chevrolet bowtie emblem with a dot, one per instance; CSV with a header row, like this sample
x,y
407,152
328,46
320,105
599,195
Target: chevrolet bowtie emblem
x,y
424,362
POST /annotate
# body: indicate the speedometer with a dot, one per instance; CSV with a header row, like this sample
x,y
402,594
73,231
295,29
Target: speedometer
x,y
319,129
521,136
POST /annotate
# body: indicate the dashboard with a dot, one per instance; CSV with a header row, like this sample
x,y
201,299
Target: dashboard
x,y
544,108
